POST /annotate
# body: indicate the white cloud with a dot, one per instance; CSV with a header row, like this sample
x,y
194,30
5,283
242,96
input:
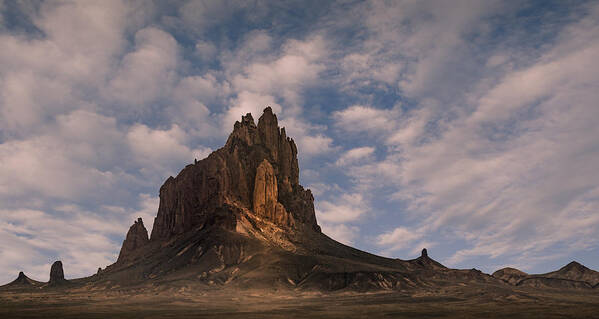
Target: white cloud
x,y
345,208
315,144
340,232
80,239
248,102
359,118
148,72
157,149
513,167
398,239
44,166
355,155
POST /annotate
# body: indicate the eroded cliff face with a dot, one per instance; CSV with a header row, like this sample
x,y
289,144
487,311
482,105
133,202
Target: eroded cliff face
x,y
256,170
266,200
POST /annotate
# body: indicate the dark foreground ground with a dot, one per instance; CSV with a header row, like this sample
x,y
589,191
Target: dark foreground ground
x,y
448,302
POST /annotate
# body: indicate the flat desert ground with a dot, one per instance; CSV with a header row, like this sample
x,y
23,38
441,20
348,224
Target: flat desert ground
x,y
189,302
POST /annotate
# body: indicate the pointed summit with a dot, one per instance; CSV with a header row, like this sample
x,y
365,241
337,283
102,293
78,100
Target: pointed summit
x,y
222,187
137,237
425,261
576,271
22,281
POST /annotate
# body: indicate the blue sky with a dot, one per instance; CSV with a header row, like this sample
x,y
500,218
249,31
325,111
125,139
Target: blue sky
x,y
467,127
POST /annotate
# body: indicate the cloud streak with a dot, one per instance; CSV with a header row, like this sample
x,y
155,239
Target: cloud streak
x,y
469,126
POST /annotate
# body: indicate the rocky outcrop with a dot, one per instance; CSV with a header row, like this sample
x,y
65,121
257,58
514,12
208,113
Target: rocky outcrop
x,y
57,274
137,237
425,261
575,271
217,189
23,281
573,275
510,275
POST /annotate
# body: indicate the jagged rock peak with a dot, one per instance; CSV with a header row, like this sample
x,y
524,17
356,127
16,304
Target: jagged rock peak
x,y
424,252
56,273
248,120
137,237
21,275
217,189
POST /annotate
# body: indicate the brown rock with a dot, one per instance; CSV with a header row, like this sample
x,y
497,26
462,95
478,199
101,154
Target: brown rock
x,y
23,281
265,191
216,189
510,275
137,237
57,273
266,196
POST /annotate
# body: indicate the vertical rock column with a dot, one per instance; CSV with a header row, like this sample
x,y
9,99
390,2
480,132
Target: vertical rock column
x,y
137,237
56,273
266,194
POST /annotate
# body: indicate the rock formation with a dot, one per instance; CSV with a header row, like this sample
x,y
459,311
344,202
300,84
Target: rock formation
x,y
240,217
510,275
57,274
23,281
266,202
573,275
217,189
576,271
425,261
137,237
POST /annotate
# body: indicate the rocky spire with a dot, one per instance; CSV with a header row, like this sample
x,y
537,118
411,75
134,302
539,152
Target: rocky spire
x,y
266,202
137,237
224,183
56,273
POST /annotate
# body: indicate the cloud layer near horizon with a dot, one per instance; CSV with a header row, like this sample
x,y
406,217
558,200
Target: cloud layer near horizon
x,y
467,127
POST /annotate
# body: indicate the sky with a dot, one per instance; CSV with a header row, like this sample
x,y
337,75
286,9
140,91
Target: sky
x,y
466,127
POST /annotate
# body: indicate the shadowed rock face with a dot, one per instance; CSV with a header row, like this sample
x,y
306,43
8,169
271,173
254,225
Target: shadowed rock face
x,y
23,281
137,237
56,273
217,189
575,271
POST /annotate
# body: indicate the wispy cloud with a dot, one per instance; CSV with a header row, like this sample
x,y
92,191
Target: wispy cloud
x,y
466,125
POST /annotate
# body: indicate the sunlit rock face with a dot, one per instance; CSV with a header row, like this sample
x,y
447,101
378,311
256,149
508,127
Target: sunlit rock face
x,y
256,170
137,237
266,202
